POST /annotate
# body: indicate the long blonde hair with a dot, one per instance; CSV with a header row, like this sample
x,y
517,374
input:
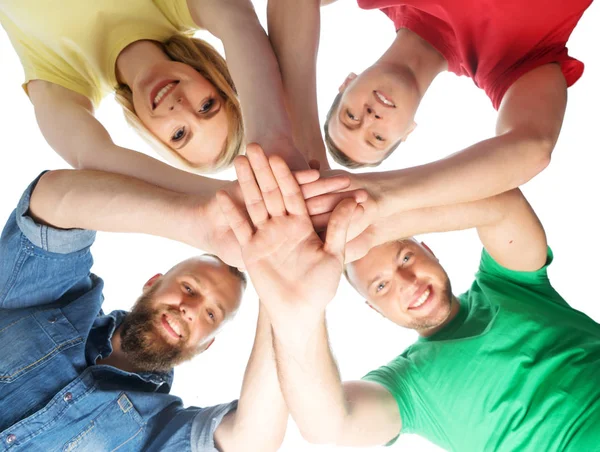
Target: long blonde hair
x,y
211,65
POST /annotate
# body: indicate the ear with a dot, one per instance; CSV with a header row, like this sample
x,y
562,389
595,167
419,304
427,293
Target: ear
x,y
152,281
410,130
343,86
424,245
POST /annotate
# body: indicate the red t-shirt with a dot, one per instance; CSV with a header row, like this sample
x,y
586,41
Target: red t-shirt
x,y
494,42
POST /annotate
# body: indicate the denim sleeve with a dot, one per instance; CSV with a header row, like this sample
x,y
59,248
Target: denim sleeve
x,y
40,264
205,424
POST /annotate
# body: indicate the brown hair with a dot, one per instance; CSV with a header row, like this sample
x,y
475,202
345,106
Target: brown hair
x,y
211,65
336,153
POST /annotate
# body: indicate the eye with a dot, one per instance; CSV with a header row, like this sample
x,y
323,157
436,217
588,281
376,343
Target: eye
x,y
178,135
379,137
351,116
188,289
206,106
380,287
211,316
406,258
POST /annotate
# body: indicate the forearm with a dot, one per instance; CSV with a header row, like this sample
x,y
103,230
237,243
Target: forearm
x,y
455,217
294,29
110,202
255,71
131,163
260,421
485,169
310,381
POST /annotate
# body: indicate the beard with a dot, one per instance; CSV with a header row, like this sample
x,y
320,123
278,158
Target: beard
x,y
145,347
440,315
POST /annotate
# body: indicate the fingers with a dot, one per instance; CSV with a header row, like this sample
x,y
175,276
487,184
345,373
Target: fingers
x,y
327,202
306,176
314,164
252,196
292,195
238,222
337,229
326,185
266,180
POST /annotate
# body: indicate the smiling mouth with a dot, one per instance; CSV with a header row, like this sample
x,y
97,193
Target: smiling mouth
x,y
171,327
383,99
423,298
161,91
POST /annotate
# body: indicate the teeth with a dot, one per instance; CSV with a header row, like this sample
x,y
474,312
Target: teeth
x,y
421,299
163,92
384,100
174,327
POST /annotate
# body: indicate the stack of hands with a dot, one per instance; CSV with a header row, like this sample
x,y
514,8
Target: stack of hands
x,y
266,183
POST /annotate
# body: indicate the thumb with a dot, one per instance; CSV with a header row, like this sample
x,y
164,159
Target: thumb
x,y
337,228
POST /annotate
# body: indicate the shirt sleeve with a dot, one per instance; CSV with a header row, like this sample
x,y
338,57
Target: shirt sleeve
x,y
178,13
40,264
205,424
393,377
536,281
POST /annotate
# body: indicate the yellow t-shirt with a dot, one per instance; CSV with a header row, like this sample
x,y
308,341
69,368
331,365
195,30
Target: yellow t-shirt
x,y
75,43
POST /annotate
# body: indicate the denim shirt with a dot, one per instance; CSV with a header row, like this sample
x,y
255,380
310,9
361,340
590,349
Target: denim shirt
x,y
53,395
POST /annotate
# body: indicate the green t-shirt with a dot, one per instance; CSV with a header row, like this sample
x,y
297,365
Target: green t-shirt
x,y
517,369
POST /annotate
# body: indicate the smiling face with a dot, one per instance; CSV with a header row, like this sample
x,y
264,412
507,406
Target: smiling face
x,y
180,313
404,281
375,112
184,110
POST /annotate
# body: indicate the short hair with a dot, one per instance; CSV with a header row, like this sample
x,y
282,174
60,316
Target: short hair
x,y
211,65
233,270
336,153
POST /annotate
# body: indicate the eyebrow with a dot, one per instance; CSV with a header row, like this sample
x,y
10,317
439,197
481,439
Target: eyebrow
x,y
205,117
223,315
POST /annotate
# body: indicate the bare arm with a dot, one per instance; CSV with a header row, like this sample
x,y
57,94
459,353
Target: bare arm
x,y
260,421
67,121
294,29
110,202
254,69
529,123
327,411
507,226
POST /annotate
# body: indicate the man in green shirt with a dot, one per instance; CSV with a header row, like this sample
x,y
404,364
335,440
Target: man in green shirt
x,y
508,365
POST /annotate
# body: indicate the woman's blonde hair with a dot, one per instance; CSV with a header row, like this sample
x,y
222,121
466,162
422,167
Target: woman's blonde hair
x,y
211,65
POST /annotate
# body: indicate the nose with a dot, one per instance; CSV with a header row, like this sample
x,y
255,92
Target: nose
x,y
176,104
189,310
406,281
371,113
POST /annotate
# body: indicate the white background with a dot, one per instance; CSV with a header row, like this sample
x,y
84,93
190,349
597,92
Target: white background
x,y
453,115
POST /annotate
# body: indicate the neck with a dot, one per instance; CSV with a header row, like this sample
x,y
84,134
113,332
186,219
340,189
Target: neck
x,y
137,58
117,358
415,58
454,308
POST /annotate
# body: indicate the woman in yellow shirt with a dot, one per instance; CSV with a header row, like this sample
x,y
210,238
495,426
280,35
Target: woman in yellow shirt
x,y
177,91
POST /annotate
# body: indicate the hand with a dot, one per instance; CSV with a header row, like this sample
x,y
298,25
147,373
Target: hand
x,y
292,270
221,239
362,188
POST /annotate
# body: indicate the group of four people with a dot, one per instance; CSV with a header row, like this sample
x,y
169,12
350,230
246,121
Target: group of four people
x,y
75,378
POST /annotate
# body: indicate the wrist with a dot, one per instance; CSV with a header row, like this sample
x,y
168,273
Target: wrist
x,y
293,330
193,221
